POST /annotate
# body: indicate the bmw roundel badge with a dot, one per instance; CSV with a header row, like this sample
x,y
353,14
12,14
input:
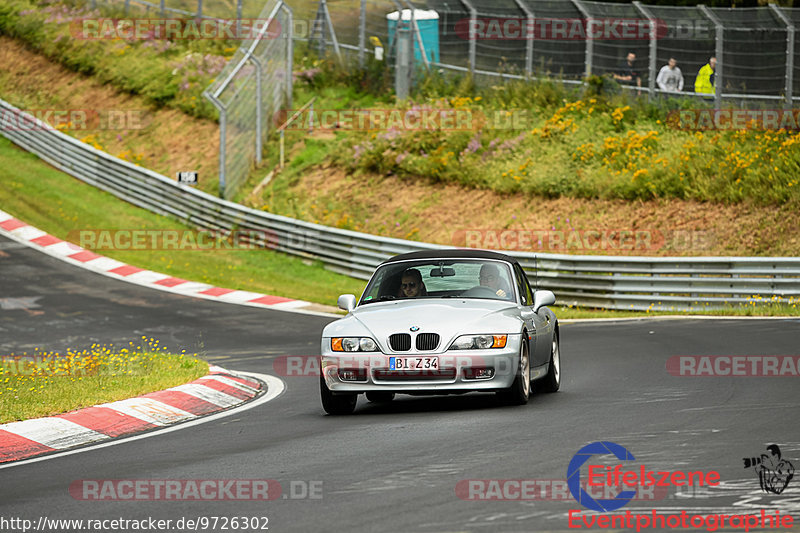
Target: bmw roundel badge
x,y
414,328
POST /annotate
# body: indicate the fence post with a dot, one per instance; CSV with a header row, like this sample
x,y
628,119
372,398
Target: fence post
x,y
473,17
362,33
589,37
790,29
289,36
417,35
720,36
259,105
402,61
651,82
239,18
222,137
529,37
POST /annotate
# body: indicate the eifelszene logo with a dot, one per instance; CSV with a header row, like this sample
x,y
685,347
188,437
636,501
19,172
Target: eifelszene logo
x,y
774,473
599,475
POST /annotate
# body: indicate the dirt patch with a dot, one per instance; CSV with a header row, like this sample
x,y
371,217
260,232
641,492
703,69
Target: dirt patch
x,y
454,215
163,140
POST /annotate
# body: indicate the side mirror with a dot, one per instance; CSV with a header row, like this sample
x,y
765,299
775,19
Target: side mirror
x,y
347,302
543,298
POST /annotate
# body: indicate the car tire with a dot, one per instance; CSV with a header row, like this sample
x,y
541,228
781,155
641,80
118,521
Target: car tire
x,y
380,397
336,404
552,381
520,390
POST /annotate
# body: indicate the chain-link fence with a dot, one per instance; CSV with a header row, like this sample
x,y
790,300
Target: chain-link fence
x,y
757,52
252,88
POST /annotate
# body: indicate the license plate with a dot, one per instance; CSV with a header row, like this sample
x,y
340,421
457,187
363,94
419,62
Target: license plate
x,y
413,363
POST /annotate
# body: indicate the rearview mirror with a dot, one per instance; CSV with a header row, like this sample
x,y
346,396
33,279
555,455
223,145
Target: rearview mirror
x,y
346,302
543,298
442,272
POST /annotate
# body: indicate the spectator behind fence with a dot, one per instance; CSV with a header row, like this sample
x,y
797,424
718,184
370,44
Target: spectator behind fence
x,y
626,72
670,77
704,83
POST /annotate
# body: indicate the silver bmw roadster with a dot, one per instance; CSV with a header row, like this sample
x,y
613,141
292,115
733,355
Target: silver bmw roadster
x,y
441,322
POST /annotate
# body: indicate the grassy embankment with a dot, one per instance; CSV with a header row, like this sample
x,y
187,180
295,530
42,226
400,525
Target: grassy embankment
x,y
47,383
637,160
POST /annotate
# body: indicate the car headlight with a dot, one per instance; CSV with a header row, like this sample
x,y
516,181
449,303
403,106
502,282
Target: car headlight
x,y
353,344
479,342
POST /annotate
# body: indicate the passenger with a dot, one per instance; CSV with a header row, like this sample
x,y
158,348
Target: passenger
x,y
490,277
411,285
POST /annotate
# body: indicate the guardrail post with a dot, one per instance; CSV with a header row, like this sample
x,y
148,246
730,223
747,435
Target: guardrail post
x,y
790,35
162,7
720,36
589,38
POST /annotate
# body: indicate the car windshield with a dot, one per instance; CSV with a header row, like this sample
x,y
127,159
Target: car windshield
x,y
437,278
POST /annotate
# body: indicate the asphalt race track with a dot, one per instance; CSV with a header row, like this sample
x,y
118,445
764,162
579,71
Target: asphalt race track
x,y
396,468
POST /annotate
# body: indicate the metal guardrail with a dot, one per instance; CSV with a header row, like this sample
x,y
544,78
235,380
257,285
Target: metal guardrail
x,y
639,283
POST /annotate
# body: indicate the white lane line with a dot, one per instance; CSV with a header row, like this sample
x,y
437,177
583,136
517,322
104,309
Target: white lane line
x,y
207,394
54,432
275,387
150,410
233,383
28,233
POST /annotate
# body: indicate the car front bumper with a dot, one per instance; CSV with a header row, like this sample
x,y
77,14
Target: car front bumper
x,y
456,372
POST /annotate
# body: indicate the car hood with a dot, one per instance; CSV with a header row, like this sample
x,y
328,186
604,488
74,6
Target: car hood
x,y
447,317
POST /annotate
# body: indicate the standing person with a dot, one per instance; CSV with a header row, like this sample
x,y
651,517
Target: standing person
x,y
670,77
626,72
705,82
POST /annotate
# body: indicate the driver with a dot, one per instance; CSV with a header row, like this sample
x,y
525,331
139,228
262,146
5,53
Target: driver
x,y
490,277
411,285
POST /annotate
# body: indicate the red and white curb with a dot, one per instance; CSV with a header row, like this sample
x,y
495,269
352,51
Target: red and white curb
x,y
71,253
218,391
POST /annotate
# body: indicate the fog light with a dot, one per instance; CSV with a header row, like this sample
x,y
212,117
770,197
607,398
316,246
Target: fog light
x,y
479,373
353,375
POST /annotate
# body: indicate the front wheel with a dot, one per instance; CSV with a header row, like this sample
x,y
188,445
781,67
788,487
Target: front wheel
x,y
336,404
520,390
552,381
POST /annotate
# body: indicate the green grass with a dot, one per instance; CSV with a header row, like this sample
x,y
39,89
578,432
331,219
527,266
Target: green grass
x,y
60,204
166,73
48,383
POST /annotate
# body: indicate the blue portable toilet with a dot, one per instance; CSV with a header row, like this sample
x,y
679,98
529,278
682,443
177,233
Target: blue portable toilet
x,y
428,23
